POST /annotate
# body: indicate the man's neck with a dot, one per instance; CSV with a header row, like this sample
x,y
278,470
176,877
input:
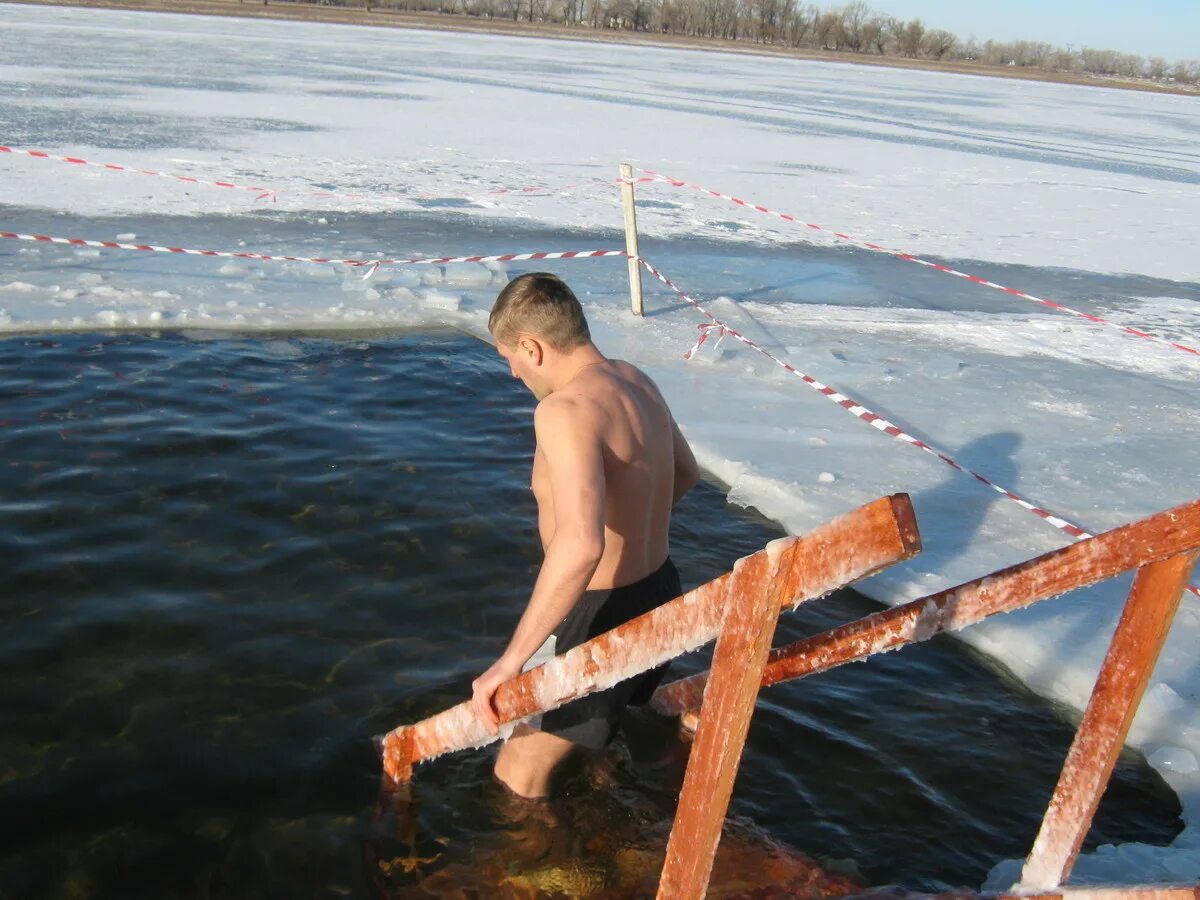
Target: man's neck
x,y
569,365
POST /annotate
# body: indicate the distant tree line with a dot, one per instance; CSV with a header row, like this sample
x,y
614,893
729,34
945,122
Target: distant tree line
x,y
852,28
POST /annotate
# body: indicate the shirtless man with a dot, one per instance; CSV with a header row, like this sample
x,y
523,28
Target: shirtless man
x,y
610,463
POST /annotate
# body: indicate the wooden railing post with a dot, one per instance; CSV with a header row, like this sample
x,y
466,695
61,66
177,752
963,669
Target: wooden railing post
x,y
631,239
738,661
1127,666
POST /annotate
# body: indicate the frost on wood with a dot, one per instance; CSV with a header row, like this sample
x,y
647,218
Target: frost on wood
x,y
1131,656
1095,559
738,661
837,553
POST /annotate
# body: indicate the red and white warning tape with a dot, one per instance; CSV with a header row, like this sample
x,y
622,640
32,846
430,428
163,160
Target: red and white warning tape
x,y
370,264
857,409
1136,332
267,193
263,192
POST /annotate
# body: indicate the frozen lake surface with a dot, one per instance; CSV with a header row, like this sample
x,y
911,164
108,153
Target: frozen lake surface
x,y
1083,196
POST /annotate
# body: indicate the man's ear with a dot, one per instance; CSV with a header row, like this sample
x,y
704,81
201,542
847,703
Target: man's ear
x,y
533,349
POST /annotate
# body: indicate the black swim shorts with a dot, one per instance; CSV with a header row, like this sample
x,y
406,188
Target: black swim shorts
x,y
592,721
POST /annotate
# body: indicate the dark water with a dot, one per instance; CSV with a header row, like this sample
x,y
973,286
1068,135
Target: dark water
x,y
225,564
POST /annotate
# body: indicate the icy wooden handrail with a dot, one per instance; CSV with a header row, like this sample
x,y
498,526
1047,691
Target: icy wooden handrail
x,y
1136,643
833,555
1089,561
1163,549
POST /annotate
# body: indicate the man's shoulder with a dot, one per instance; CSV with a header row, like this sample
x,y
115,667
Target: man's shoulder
x,y
628,369
632,374
565,421
561,407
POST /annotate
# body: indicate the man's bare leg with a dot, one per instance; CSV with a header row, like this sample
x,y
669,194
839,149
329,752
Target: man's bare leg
x,y
527,759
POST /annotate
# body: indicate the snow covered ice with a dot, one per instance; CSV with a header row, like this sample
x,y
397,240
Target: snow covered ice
x,y
1084,196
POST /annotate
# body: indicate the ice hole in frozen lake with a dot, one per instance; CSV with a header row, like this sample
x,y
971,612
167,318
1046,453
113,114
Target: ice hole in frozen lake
x,y
242,556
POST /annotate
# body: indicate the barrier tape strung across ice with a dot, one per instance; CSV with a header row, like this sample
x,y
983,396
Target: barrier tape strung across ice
x,y
857,409
272,193
369,264
263,192
268,193
858,242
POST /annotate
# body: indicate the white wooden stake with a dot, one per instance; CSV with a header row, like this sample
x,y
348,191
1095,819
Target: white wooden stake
x,y
631,239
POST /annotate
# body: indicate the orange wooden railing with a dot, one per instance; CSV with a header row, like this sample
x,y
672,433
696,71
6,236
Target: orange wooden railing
x,y
835,554
1162,548
740,610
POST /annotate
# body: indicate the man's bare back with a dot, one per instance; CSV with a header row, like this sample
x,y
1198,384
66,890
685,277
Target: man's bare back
x,y
619,408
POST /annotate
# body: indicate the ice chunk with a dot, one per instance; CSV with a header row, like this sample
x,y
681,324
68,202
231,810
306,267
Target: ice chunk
x,y
1181,867
1161,713
232,269
404,276
316,273
439,300
1188,723
1163,699
467,275
1173,759
1003,875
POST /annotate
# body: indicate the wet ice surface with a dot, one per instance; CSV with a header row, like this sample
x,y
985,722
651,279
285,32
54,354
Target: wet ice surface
x,y
1040,187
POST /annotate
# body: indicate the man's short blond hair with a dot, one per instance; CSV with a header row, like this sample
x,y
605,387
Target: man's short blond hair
x,y
541,305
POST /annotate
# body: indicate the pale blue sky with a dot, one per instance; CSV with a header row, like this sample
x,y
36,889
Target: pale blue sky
x,y
1168,28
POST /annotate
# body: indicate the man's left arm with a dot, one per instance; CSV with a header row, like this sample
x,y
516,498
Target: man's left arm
x,y
575,466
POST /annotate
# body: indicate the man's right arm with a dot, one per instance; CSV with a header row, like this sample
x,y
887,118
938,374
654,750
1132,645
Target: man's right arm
x,y
687,472
575,468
